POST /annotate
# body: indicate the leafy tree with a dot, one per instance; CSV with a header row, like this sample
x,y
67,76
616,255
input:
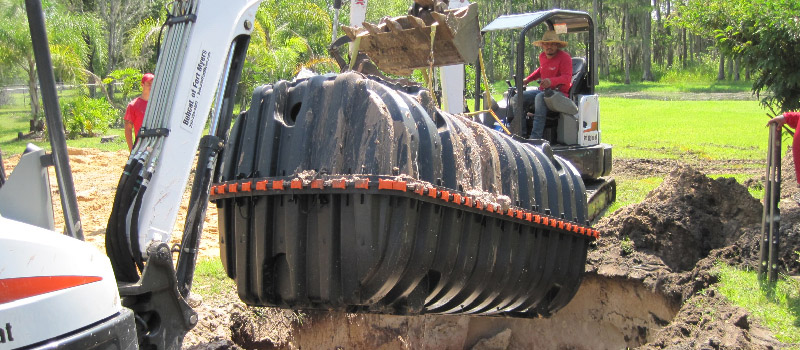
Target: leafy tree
x,y
142,43
287,36
765,34
85,116
72,37
120,17
130,81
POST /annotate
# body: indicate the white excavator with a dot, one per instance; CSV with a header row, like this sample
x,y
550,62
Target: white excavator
x,y
333,192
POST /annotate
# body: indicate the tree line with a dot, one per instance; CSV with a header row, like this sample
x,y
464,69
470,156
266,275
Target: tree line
x,y
116,40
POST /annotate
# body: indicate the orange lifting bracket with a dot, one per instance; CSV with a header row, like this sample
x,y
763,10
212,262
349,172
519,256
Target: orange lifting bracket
x,y
404,187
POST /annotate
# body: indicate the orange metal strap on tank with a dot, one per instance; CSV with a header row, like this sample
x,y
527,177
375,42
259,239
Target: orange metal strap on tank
x,y
339,184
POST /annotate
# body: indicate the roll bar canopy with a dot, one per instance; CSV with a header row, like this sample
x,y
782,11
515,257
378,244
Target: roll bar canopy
x,y
574,21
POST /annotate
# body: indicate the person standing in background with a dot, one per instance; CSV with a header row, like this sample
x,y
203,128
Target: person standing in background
x,y
790,118
134,114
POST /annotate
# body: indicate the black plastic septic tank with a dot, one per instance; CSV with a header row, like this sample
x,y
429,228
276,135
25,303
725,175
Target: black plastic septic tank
x,y
343,192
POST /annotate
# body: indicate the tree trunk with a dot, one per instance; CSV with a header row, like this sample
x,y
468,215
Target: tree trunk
x,y
512,62
667,32
730,69
596,58
658,49
736,63
626,47
721,71
33,90
684,59
488,60
647,43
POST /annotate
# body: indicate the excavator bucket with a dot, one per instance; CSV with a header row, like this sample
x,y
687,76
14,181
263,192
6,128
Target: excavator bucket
x,y
401,44
342,192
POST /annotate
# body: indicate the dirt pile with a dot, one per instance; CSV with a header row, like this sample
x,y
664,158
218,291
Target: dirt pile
x,y
671,242
615,313
709,321
685,218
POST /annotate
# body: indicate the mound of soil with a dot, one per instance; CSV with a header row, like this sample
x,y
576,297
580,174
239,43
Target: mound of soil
x,y
685,218
671,242
709,321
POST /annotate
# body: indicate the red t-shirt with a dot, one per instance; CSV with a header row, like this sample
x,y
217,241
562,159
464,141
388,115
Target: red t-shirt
x,y
558,69
135,113
791,119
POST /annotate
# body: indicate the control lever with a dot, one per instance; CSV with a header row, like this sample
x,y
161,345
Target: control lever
x,y
512,91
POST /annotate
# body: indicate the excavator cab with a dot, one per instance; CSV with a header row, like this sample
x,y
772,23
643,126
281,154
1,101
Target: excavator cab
x,y
527,27
575,137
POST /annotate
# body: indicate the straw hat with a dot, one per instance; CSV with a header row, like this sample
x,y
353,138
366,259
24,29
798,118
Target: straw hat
x,y
550,37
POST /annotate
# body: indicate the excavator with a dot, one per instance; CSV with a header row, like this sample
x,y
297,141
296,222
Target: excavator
x,y
335,192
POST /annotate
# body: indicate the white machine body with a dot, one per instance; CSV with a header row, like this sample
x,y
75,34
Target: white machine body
x,y
57,285
358,12
453,77
583,128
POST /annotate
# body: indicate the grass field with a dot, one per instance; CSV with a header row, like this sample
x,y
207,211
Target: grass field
x,y
682,86
14,119
777,306
686,130
712,130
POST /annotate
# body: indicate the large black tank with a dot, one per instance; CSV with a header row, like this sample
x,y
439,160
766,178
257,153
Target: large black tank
x,y
344,192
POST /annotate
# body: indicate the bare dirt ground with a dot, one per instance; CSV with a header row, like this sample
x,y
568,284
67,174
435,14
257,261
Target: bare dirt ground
x,y
645,293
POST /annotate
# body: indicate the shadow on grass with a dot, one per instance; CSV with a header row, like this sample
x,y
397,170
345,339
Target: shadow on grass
x,y
790,289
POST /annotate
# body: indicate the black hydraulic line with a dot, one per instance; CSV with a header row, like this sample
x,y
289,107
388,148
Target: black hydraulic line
x,y
112,241
187,258
140,190
55,126
207,171
119,251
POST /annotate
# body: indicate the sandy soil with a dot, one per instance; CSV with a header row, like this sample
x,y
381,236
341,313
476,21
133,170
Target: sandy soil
x,y
677,233
96,174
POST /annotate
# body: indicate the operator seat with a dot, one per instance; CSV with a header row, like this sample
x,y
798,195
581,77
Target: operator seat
x,y
578,74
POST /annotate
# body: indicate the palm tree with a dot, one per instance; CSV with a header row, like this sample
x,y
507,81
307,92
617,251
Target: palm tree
x,y
287,36
72,40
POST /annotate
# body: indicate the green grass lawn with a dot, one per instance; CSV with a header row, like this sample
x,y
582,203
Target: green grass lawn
x,y
14,119
211,280
710,130
13,123
682,86
697,130
777,306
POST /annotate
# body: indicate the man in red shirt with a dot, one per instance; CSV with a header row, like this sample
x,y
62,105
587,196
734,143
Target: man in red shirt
x,y
554,72
791,118
134,114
